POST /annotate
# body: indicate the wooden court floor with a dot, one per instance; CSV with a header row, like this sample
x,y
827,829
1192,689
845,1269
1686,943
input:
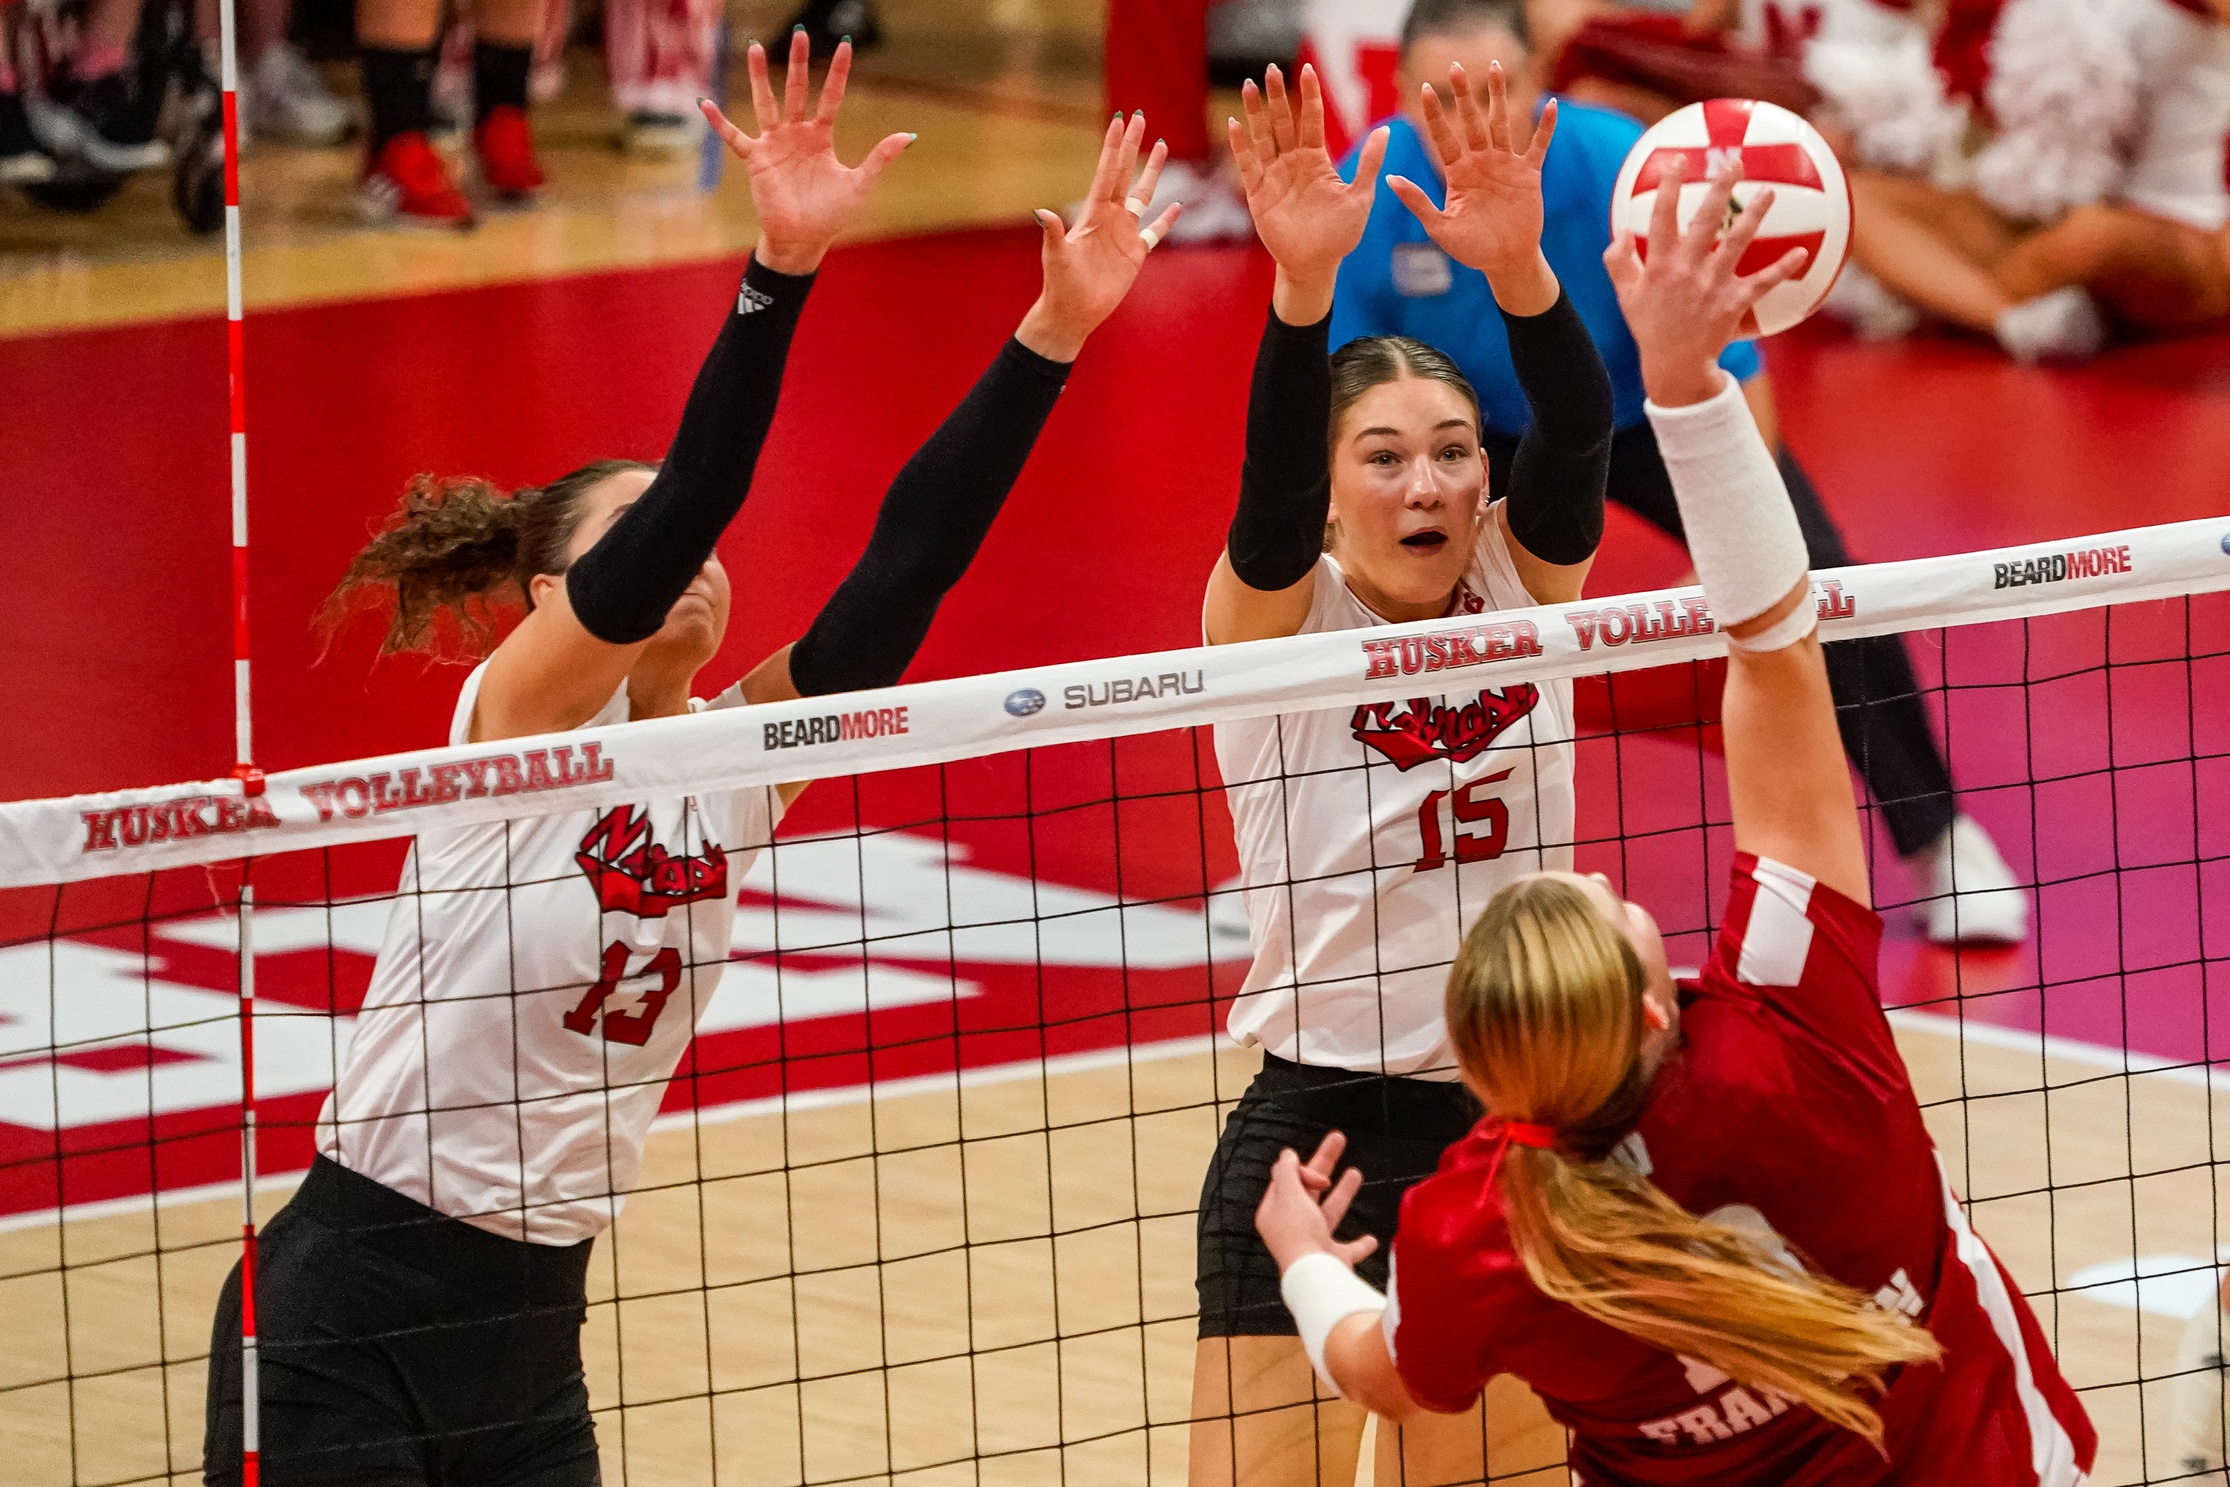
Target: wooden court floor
x,y
992,1283
1005,98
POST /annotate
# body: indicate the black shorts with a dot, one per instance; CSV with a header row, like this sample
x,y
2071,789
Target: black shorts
x,y
1396,1130
400,1346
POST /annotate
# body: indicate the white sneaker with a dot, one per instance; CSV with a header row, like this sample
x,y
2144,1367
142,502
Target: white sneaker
x,y
2195,1396
1215,207
1870,307
1972,896
649,132
2061,326
285,98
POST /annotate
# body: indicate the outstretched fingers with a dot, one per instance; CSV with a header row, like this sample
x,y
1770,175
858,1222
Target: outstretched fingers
x,y
1153,232
730,135
1664,212
1126,158
1748,220
1499,133
797,86
765,114
1259,133
1149,179
1280,110
832,86
1475,132
1413,197
1537,148
1312,109
1103,173
1439,128
1367,163
878,160
1710,221
1242,155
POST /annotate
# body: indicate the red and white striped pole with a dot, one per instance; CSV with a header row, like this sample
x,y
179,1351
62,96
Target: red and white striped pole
x,y
251,778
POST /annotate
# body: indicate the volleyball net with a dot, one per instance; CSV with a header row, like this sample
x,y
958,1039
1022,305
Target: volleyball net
x,y
919,1204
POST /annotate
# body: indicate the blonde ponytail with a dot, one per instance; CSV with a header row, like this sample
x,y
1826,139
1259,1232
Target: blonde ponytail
x,y
1544,1006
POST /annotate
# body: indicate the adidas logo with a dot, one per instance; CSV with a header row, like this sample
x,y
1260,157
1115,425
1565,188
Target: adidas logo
x,y
750,301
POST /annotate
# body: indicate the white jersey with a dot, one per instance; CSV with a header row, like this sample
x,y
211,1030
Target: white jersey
x,y
1370,837
2183,112
538,984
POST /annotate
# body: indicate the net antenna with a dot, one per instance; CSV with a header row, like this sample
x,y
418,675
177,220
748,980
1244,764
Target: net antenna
x,y
243,730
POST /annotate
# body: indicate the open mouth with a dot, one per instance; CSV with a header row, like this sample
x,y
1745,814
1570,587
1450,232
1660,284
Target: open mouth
x,y
1425,541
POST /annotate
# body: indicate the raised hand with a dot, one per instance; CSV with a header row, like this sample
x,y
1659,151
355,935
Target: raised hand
x,y
1680,293
1091,265
1492,220
1304,213
805,196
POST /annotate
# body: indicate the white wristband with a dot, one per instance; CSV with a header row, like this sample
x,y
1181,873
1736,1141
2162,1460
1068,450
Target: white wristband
x,y
1742,532
1786,631
1322,1292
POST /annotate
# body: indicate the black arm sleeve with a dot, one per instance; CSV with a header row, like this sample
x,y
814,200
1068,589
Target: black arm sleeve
x,y
622,587
934,517
1285,487
1557,477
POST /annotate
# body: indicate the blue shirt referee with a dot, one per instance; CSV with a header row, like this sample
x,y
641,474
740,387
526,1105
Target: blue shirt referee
x,y
1397,282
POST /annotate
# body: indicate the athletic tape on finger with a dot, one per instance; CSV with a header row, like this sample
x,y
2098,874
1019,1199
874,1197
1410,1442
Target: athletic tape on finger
x,y
1150,238
1134,206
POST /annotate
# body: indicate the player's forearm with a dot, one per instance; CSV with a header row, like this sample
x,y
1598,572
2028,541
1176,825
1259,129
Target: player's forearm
x,y
1362,1368
622,588
933,520
1285,486
1562,466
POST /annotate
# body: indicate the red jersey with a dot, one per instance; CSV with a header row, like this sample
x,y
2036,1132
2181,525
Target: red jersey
x,y
1786,1110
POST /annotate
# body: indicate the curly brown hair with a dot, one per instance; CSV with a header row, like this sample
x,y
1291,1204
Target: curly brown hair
x,y
457,545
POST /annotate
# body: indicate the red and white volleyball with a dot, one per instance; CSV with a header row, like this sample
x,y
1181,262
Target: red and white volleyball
x,y
1811,199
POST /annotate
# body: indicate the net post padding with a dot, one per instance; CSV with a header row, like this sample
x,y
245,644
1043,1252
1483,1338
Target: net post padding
x,y
74,838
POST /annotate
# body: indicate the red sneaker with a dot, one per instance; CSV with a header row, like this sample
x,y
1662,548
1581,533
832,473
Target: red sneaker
x,y
505,144
407,183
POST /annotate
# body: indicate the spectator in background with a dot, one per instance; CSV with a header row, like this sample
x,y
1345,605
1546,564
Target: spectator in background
x,y
1157,61
281,95
97,116
22,162
1397,282
2099,197
405,181
659,56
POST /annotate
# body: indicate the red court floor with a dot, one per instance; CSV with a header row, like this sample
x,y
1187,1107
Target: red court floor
x,y
117,668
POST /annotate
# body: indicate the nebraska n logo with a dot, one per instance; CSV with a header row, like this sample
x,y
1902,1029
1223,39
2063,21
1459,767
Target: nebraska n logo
x,y
635,875
1424,730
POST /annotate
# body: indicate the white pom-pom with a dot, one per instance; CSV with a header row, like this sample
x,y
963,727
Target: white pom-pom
x,y
1872,64
2063,85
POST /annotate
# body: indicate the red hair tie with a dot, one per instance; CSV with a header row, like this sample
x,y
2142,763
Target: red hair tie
x,y
1525,1133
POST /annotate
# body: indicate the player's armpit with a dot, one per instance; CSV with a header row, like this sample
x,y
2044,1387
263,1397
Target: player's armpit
x,y
1234,611
1357,1357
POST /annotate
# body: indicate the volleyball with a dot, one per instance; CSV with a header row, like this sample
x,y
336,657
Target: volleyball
x,y
1811,199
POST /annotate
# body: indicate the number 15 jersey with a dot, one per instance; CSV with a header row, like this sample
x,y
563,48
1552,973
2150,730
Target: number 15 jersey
x,y
1370,837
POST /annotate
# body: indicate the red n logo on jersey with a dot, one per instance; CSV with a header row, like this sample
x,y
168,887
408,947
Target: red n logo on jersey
x,y
635,875
1424,730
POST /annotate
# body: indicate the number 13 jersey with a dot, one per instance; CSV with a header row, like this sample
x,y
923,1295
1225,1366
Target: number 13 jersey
x,y
538,984
1370,837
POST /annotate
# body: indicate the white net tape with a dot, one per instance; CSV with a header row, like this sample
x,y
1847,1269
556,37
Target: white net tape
x,y
90,836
